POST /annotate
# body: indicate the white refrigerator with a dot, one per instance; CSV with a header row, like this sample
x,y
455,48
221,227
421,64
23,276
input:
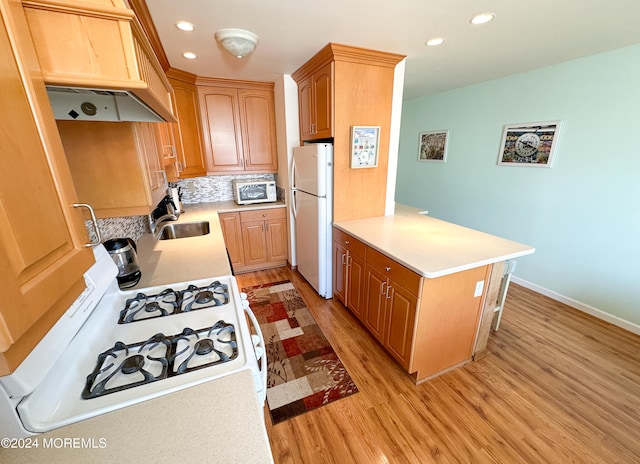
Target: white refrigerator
x,y
312,195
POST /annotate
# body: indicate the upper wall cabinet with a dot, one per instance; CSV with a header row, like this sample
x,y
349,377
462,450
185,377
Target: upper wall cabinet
x,y
117,167
42,236
97,44
338,88
315,104
238,121
188,153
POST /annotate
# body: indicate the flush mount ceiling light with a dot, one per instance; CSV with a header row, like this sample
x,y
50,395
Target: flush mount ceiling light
x,y
482,18
435,41
189,55
185,26
238,42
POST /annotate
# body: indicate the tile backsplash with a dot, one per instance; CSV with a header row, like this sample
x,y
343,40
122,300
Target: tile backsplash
x,y
194,190
119,227
213,188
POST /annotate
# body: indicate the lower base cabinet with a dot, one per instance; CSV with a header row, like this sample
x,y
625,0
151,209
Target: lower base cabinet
x,y
428,325
348,277
255,239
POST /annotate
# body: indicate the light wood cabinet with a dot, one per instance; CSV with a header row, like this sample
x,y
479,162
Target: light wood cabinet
x,y
99,45
349,275
338,88
117,167
42,237
428,325
238,121
232,233
255,239
391,304
167,146
375,301
188,152
315,104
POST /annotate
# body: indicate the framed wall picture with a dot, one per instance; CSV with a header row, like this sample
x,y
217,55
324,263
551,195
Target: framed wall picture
x,y
529,144
364,146
432,146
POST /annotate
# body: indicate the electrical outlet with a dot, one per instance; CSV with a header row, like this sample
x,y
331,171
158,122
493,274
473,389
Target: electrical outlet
x,y
191,187
479,288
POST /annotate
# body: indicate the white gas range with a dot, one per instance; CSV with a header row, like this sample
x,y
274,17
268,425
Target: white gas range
x,y
112,349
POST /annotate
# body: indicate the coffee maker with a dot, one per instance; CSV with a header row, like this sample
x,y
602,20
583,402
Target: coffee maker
x,y
123,253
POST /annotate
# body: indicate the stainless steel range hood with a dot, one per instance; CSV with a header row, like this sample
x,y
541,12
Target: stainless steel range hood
x,y
79,104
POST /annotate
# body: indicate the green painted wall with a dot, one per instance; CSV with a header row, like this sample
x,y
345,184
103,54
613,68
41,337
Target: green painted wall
x,y
583,214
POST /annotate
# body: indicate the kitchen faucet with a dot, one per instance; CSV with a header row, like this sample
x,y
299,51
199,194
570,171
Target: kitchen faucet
x,y
165,211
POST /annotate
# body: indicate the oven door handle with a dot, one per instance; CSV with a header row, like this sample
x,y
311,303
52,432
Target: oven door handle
x,y
260,349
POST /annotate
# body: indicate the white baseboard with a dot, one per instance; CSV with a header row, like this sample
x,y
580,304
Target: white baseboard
x,y
595,312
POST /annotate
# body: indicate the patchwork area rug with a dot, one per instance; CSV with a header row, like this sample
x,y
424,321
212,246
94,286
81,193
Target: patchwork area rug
x,y
303,371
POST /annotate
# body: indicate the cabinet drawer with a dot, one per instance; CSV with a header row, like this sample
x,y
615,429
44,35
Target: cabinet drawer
x,y
262,214
355,246
394,271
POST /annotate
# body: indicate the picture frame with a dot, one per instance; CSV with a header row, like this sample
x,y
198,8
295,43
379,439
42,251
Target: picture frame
x,y
432,146
364,146
531,144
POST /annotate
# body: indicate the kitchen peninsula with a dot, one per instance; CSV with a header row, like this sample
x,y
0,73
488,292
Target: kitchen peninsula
x,y
426,289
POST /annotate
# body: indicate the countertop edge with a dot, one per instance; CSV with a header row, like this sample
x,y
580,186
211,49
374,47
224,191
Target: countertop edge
x,y
408,211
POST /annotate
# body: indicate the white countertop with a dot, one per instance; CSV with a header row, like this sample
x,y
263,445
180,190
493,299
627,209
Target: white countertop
x,y
429,246
168,261
215,422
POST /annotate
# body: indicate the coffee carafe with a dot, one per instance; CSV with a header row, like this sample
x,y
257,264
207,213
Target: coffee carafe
x,y
123,253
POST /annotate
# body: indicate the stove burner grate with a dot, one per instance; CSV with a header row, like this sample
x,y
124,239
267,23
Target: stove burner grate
x,y
203,348
193,297
126,366
170,302
143,307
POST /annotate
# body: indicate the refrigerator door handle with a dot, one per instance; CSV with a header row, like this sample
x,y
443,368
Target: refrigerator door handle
x,y
293,172
294,204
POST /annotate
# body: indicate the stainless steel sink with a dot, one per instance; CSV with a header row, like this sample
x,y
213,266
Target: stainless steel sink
x,y
183,230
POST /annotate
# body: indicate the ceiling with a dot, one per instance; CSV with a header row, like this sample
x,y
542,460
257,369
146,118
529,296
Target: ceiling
x,y
523,36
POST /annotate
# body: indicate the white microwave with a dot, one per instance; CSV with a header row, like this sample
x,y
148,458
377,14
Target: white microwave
x,y
247,192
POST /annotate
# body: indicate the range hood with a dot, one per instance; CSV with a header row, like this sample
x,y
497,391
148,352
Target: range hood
x,y
97,62
79,104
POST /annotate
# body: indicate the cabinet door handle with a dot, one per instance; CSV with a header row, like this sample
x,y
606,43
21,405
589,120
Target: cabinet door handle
x,y
389,287
94,221
344,259
349,258
382,285
171,150
346,242
179,166
387,268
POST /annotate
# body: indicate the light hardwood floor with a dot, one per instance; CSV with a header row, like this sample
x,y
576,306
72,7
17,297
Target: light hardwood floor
x,y
556,386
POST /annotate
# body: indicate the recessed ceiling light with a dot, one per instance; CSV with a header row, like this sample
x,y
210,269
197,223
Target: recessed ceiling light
x,y
189,55
185,26
435,41
482,18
